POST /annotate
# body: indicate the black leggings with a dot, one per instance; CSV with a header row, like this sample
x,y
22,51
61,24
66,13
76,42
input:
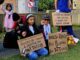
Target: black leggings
x,y
47,46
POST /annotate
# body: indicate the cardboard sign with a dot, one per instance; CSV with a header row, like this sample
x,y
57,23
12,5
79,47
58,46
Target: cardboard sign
x,y
31,43
58,42
61,19
76,4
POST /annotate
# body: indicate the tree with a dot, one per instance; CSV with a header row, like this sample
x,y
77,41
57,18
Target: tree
x,y
45,4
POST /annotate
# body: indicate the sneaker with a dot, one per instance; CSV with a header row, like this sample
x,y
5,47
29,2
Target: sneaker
x,y
76,40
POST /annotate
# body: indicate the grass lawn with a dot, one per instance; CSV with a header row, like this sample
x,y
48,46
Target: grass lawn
x,y
75,27
72,54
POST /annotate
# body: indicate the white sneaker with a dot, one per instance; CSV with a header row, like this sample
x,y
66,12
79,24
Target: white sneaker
x,y
76,40
57,11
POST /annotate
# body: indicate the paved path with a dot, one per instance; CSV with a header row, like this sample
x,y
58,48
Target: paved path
x,y
10,52
7,52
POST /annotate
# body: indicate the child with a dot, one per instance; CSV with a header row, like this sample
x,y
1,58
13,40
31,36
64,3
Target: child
x,y
46,29
8,21
19,25
32,29
11,37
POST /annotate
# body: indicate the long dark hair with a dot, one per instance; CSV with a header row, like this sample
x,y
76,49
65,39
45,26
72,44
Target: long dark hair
x,y
28,19
35,27
8,5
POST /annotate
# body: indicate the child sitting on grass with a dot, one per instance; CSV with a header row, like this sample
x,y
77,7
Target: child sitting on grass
x,y
32,29
45,28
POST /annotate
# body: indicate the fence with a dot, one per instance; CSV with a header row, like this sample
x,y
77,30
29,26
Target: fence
x,y
75,17
38,19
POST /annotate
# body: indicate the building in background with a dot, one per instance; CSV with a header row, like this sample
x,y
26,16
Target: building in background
x,y
22,6
27,6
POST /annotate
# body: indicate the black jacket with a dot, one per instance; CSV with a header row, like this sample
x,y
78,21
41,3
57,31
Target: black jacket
x,y
10,40
29,33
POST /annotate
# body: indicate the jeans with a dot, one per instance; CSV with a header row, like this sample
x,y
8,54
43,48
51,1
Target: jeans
x,y
35,54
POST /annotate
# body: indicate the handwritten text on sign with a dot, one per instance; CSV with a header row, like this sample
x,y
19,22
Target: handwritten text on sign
x,y
61,19
31,43
58,42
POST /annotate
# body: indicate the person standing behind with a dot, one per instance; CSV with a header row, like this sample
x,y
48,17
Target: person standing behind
x,y
65,6
8,20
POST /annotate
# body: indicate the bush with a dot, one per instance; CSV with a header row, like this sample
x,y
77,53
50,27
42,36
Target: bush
x,y
45,5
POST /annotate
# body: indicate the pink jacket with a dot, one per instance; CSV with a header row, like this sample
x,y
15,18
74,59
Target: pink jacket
x,y
8,21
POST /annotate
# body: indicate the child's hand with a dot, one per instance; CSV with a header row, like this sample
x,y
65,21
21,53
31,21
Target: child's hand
x,y
24,34
42,22
17,27
18,32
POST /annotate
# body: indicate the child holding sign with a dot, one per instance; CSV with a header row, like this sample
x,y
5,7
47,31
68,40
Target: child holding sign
x,y
45,28
31,30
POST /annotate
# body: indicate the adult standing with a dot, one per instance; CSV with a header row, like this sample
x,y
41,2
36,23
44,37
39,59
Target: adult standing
x,y
64,6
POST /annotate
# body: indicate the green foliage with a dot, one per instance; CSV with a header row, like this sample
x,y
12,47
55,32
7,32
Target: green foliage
x,y
45,4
